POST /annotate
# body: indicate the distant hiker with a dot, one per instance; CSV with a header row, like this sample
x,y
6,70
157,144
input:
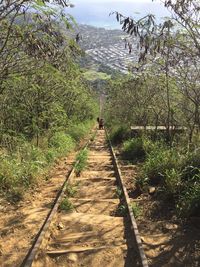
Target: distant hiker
x,y
101,124
125,40
130,47
77,37
98,119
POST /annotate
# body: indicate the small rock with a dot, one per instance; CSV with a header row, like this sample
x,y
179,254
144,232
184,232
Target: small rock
x,y
2,208
142,239
162,247
152,190
72,257
60,226
171,226
1,250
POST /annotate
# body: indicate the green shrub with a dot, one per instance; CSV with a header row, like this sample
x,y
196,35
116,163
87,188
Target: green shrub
x,y
191,165
78,131
51,154
21,170
136,209
31,153
133,150
142,182
8,174
119,192
175,170
121,210
71,190
16,176
63,143
158,162
189,201
172,181
66,205
81,161
119,134
151,147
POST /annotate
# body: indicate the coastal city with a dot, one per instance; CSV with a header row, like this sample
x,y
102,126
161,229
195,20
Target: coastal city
x,y
111,48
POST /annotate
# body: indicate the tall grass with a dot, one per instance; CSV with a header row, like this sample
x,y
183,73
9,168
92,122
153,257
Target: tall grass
x,y
133,150
22,168
118,134
174,170
81,161
79,130
188,203
178,174
61,144
158,162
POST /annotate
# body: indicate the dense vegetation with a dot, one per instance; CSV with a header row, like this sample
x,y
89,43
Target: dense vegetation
x,y
173,170
163,89
46,105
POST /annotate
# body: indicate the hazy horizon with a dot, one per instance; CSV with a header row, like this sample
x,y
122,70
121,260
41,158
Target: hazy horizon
x,y
96,12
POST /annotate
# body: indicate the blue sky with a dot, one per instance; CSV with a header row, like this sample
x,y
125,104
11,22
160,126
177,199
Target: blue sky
x,y
96,12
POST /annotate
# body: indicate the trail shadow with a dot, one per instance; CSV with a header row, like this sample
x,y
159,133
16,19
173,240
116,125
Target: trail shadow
x,y
132,257
182,250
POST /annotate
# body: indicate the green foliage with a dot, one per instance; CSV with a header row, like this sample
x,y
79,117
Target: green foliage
x,y
62,142
121,210
119,134
71,190
158,162
191,165
79,130
93,75
93,137
30,153
119,192
172,181
189,201
66,205
81,161
22,169
136,209
176,172
133,150
52,102
43,93
17,175
142,182
153,146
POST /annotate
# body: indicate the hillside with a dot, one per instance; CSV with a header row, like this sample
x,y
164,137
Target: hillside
x,y
106,49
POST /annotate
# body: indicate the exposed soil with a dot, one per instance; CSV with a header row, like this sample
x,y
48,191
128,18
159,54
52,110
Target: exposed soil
x,y
167,241
92,235
20,223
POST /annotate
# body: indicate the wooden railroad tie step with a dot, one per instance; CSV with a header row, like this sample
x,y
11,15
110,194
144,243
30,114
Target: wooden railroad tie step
x,y
96,200
96,179
94,219
82,249
89,235
89,241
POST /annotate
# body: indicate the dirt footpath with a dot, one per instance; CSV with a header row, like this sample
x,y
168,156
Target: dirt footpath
x,y
92,234
19,224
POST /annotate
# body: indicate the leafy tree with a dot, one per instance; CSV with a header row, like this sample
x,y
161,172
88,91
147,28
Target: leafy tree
x,y
172,51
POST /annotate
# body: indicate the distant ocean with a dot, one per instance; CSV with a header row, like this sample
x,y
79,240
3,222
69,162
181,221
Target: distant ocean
x,y
96,13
